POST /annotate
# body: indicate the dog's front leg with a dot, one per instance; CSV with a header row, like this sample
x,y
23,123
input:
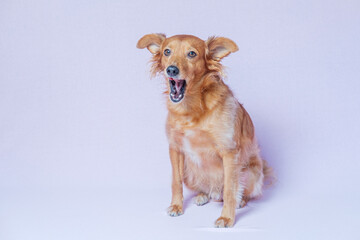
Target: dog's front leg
x,y
177,163
231,185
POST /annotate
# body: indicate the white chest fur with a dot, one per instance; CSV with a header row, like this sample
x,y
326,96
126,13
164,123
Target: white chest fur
x,y
191,153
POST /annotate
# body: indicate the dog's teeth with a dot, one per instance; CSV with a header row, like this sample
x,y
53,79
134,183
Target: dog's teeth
x,y
180,95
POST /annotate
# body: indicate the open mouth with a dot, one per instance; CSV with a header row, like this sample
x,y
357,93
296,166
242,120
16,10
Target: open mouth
x,y
177,89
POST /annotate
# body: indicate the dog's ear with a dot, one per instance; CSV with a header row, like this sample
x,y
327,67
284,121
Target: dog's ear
x,y
152,42
219,47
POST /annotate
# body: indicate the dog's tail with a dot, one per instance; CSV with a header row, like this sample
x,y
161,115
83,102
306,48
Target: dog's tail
x,y
269,175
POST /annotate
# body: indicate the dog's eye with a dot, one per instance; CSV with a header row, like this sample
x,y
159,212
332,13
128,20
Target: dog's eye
x,y
192,54
167,52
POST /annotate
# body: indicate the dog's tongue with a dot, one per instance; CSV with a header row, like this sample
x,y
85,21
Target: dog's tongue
x,y
178,84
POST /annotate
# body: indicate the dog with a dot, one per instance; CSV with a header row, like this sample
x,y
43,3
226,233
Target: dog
x,y
212,145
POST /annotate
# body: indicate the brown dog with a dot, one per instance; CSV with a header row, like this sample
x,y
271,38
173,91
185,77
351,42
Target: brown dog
x,y
212,145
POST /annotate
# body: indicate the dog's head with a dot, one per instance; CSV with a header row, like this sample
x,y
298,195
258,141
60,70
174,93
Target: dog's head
x,y
185,59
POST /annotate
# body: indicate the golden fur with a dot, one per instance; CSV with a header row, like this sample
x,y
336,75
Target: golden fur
x,y
212,146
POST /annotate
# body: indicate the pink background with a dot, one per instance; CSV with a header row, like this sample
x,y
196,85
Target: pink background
x,y
83,152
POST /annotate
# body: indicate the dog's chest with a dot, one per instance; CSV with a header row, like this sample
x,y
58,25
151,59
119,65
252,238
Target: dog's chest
x,y
197,145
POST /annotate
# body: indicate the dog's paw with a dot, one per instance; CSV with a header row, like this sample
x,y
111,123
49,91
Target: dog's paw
x,y
201,199
216,196
243,203
223,222
175,210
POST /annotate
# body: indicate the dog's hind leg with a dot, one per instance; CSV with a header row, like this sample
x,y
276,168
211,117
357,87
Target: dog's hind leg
x,y
254,179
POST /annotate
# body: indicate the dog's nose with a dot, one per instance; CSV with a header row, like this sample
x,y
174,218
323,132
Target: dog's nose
x,y
172,71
